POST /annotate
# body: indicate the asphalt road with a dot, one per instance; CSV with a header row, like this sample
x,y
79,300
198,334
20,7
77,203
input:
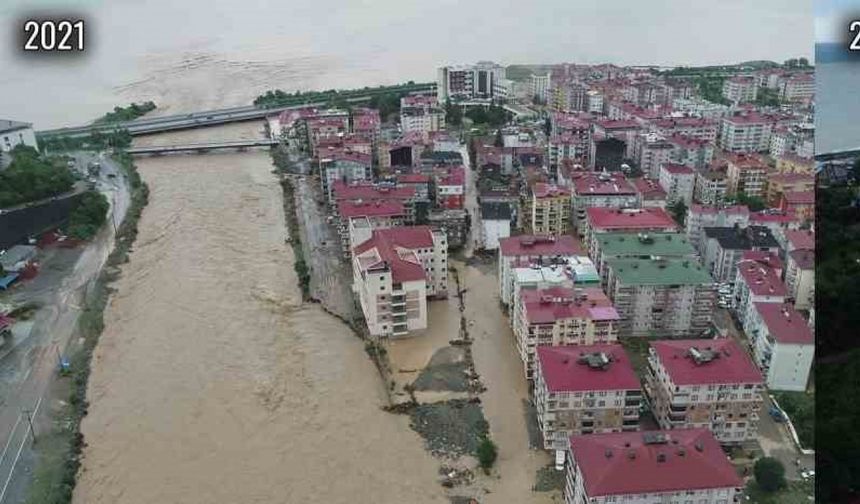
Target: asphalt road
x,y
471,204
27,368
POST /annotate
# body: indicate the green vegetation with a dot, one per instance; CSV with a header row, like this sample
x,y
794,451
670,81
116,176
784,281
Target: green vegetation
x,y
88,216
678,210
800,408
494,115
96,140
522,73
766,97
487,453
128,113
795,492
548,479
60,449
279,98
796,63
754,203
31,177
300,265
769,474
711,88
453,114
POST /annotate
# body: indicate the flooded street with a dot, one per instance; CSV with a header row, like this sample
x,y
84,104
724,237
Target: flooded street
x,y
212,382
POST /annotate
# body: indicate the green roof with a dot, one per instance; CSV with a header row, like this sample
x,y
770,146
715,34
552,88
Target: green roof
x,y
659,271
643,244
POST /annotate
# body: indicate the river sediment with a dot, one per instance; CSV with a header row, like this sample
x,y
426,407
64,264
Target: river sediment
x,y
213,381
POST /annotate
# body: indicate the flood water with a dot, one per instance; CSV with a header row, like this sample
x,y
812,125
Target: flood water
x,y
212,382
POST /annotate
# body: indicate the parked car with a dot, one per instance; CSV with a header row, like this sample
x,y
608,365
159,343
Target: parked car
x,y
807,474
777,414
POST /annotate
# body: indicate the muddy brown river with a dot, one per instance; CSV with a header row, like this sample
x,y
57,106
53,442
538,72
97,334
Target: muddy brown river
x,y
212,382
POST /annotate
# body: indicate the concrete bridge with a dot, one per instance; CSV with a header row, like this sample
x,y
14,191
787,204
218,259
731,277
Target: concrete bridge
x,y
202,147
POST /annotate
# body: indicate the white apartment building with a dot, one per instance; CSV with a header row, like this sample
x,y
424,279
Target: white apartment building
x,y
745,132
539,87
659,297
13,133
723,248
678,181
756,282
698,107
594,102
467,82
650,152
711,187
800,277
705,383
798,88
602,190
561,315
783,346
701,216
421,113
584,390
740,89
685,466
394,272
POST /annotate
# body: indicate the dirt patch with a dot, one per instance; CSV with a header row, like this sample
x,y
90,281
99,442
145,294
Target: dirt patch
x,y
450,429
447,371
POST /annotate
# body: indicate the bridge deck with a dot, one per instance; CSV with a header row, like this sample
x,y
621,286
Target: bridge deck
x,y
235,144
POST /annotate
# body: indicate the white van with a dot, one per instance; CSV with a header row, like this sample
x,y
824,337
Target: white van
x,y
559,460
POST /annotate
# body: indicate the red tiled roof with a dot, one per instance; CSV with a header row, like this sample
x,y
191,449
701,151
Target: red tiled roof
x,y
535,245
395,246
413,178
686,142
804,258
761,279
800,239
624,464
760,218
677,169
586,183
799,197
790,178
543,306
770,259
341,154
649,189
643,218
749,118
378,208
732,364
563,372
684,122
368,192
455,176
785,324
544,190
611,124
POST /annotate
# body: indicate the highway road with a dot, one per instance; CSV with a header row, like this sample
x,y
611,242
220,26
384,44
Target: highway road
x,y
27,367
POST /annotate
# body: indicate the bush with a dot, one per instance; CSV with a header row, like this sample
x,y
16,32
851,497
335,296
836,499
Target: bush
x,y
769,474
31,177
88,216
487,453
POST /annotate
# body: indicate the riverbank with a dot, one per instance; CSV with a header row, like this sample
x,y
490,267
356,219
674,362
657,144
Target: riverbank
x,y
61,442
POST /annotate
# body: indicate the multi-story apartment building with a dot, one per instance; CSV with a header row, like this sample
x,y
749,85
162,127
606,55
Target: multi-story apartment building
x,y
358,219
792,163
661,297
701,216
451,187
622,130
710,186
746,175
678,181
724,246
649,194
781,183
561,315
605,220
756,282
801,204
584,390
341,165
651,151
684,466
365,193
783,345
594,102
800,277
705,383
745,132
600,189
698,107
690,151
539,87
549,209
700,128
798,88
466,82
14,133
421,113
627,245
531,249
740,89
394,272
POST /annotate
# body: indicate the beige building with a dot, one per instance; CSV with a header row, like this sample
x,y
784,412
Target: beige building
x,y
800,277
708,383
584,390
561,315
394,272
746,175
550,210
740,89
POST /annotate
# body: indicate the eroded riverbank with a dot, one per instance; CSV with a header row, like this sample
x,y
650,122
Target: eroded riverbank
x,y
212,381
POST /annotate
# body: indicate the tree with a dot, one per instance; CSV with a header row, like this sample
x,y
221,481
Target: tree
x,y
754,203
678,210
769,474
453,114
499,141
88,216
487,453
